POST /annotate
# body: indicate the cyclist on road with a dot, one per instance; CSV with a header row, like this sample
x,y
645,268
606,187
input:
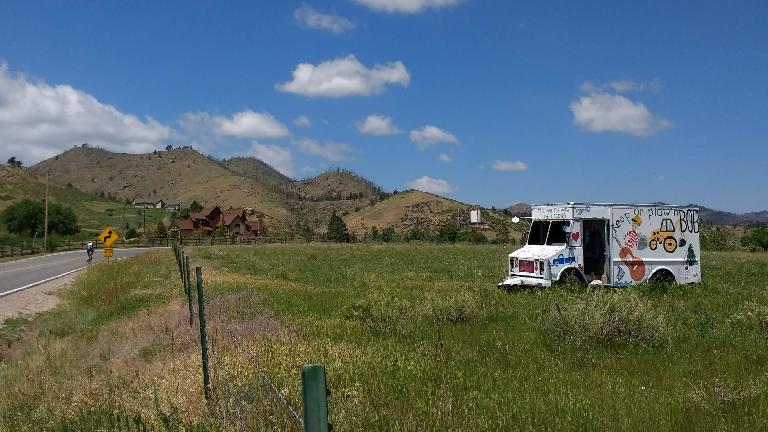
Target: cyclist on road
x,y
89,250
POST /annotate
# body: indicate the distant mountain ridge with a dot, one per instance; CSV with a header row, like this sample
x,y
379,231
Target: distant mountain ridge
x,y
184,174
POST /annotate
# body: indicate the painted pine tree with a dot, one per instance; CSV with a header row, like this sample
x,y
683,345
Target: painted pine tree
x,y
690,259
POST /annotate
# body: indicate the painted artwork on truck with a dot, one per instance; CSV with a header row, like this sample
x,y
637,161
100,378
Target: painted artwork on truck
x,y
608,244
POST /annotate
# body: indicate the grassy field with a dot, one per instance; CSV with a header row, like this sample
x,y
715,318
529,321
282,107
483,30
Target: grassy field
x,y
414,337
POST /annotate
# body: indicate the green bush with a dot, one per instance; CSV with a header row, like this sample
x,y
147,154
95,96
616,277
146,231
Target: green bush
x,y
604,317
469,236
755,240
28,216
715,239
388,235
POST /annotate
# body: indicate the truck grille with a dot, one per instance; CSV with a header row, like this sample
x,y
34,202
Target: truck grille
x,y
525,266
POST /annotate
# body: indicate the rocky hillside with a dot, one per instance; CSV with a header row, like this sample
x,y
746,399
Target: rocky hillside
x,y
256,169
409,209
519,209
315,199
180,174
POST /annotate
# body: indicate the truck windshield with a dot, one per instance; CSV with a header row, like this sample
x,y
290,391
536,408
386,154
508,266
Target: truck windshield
x,y
547,232
557,234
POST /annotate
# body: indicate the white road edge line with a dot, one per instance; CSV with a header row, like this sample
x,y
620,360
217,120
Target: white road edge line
x,y
33,284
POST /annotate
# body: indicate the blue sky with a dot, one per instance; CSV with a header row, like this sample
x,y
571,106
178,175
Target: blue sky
x,y
488,102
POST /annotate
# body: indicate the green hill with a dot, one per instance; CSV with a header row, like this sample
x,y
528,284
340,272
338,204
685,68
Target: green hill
x,y
93,212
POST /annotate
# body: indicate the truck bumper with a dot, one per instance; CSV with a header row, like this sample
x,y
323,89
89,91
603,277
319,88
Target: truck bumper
x,y
516,281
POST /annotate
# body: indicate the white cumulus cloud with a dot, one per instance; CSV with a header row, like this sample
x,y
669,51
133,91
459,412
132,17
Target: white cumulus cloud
x,y
604,112
444,157
503,165
406,6
431,185
310,18
302,121
430,135
331,151
39,120
280,158
249,124
377,124
344,76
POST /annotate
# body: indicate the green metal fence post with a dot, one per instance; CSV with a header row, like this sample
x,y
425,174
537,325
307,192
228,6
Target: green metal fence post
x,y
183,270
203,336
189,292
314,397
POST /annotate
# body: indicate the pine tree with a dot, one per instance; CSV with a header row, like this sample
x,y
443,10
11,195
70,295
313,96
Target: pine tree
x,y
160,231
337,229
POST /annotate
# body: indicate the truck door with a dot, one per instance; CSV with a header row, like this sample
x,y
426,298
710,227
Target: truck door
x,y
595,248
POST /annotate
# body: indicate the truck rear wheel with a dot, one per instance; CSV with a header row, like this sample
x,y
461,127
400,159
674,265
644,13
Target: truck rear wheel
x,y
662,277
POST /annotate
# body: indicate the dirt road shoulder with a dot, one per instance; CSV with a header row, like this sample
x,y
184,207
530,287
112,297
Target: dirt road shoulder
x,y
34,300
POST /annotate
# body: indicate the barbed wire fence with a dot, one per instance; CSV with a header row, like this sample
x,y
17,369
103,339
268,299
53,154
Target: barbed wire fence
x,y
231,400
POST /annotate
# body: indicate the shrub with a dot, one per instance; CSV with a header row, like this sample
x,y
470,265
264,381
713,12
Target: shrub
x,y
757,239
604,317
715,239
455,308
448,233
131,233
470,236
388,234
385,313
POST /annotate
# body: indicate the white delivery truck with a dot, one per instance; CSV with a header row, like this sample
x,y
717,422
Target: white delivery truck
x,y
613,244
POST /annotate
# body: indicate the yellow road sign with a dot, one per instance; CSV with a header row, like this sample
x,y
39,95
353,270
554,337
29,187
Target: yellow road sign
x,y
108,236
108,252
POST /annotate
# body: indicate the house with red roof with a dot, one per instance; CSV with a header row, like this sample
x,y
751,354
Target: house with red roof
x,y
212,221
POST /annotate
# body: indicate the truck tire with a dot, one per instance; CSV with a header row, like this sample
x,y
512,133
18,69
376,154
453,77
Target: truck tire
x,y
571,278
653,244
662,277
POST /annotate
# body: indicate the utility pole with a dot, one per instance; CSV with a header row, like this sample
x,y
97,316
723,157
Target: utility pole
x,y
45,224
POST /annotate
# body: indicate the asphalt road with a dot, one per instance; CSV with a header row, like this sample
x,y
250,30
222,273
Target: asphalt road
x,y
32,271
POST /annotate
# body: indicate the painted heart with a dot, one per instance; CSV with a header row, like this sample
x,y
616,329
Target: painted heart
x,y
575,236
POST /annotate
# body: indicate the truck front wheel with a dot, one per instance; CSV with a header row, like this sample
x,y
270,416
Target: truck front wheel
x,y
571,278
